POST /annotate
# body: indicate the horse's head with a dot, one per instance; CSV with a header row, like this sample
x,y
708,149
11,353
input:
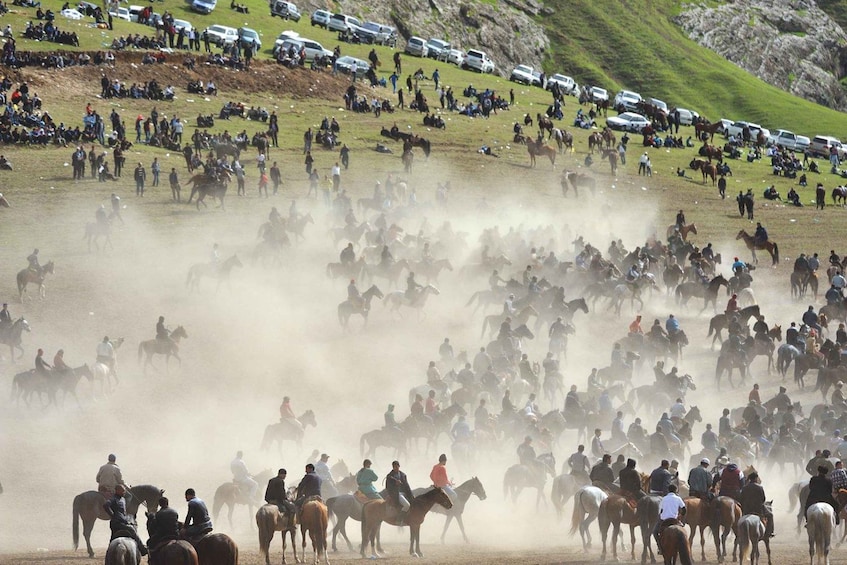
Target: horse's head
x,y
308,419
48,268
477,488
23,324
116,343
85,371
741,234
179,332
776,333
439,497
694,414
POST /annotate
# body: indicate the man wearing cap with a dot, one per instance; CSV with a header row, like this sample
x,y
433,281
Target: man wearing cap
x,y
700,481
197,521
109,476
399,492
275,493
119,521
327,482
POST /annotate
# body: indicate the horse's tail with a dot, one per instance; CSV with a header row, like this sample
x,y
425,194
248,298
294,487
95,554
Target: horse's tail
x,y
76,511
557,496
776,253
576,516
218,502
16,388
266,531
711,328
631,397
743,542
188,277
484,326
683,547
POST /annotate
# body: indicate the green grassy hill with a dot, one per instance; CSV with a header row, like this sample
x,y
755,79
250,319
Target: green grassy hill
x,y
634,44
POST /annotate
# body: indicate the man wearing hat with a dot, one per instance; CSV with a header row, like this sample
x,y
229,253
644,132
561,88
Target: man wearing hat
x,y
820,490
328,489
752,499
630,482
109,476
275,493
119,521
700,481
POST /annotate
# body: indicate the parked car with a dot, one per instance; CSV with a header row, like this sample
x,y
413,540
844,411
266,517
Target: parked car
x,y
343,22
820,144
204,6
222,35
526,75
283,37
345,65
478,61
287,44
321,18
598,94
789,140
738,126
454,56
416,46
285,10
249,38
373,32
687,117
627,101
660,104
121,13
566,84
628,121
434,47
314,49
183,24
134,12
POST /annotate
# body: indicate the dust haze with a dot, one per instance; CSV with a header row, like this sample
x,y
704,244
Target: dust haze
x,y
274,332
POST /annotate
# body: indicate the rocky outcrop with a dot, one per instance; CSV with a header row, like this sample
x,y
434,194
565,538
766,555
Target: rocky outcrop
x,y
505,30
791,44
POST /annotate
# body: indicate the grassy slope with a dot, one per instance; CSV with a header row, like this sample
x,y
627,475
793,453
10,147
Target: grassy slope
x,y
635,45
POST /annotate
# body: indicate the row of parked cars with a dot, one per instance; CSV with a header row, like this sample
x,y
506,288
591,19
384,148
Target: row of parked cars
x,y
441,50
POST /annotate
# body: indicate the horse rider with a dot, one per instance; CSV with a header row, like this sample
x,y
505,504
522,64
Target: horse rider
x,y
461,431
274,217
197,521
657,332
214,256
5,317
602,475
732,306
670,509
833,295
761,235
433,377
680,220
526,453
761,329
630,482
752,500
412,288
738,266
439,479
700,482
365,481
162,332
100,216
417,408
426,254
241,476
106,354
494,280
42,367
108,477
309,487
820,490
390,420
573,406
347,256
709,254
731,481
59,365
275,493
286,413
633,273
618,361
672,326
431,406
32,259
162,527
386,259
399,492
119,521
660,478
509,305
636,433
801,266
323,471
810,318
578,463
354,296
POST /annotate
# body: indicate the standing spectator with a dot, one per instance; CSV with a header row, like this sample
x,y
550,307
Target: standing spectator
x,y
178,127
345,156
642,164
354,69
273,128
436,77
400,101
206,41
511,97
260,163
173,178
314,178
276,178
398,67
140,176
263,183
118,156
393,78
92,159
307,141
336,177
155,168
239,176
309,161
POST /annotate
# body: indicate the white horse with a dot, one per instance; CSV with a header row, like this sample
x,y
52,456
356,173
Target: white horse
x,y
751,531
398,298
746,298
123,551
586,508
820,523
100,372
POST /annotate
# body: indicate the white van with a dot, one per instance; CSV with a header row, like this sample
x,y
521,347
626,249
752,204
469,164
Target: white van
x,y
285,10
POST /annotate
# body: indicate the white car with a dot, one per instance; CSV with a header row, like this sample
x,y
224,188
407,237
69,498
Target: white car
x,y
321,18
478,61
627,101
222,35
526,75
738,127
121,13
282,37
598,94
434,47
454,56
183,24
345,65
687,117
71,14
416,46
628,121
566,84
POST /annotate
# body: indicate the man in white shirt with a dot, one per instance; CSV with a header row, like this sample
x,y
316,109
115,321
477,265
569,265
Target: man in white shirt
x,y
670,509
322,470
678,410
578,462
336,177
241,476
106,354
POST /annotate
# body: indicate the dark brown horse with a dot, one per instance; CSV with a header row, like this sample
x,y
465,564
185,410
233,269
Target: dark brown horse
x,y
700,515
703,126
376,512
204,185
707,169
539,149
177,552
675,545
216,549
769,246
711,152
314,519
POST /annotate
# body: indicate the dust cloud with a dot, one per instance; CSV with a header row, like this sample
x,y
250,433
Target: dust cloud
x,y
274,332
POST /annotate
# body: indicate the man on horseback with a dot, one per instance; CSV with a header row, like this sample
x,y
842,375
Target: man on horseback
x,y
32,259
731,481
162,332
162,527
761,235
833,296
752,500
354,296
309,487
439,479
399,492
347,256
241,476
700,482
5,317
680,220
670,509
275,493
119,521
602,476
630,482
412,288
390,420
385,258
365,481
578,462
108,477
286,413
41,366
197,520
59,365
106,354
761,329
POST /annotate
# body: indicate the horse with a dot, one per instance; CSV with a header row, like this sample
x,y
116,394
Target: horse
x,y
298,225
839,193
702,127
708,291
398,298
231,493
820,523
586,508
728,360
698,515
750,532
683,230
378,511
675,545
27,276
204,185
429,270
167,347
346,506
520,476
177,552
540,149
721,321
492,323
212,270
595,141
391,272
286,430
88,507
314,519
647,513
216,549
11,336
408,159
727,514
123,551
348,308
94,231
463,494
771,247
564,139
614,511
707,169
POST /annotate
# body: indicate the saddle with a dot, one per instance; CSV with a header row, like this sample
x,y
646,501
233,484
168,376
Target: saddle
x,y
361,498
194,540
121,533
663,525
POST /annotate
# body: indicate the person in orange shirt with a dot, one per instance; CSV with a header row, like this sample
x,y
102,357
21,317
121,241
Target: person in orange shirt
x,y
438,475
635,326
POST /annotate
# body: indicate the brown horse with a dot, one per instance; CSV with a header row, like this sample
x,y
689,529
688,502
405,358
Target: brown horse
x,y
270,520
675,545
204,185
704,126
231,493
711,152
376,512
545,124
683,231
167,347
728,513
216,549
609,137
177,552
769,246
408,159
595,140
536,149
314,519
27,276
615,511
700,515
